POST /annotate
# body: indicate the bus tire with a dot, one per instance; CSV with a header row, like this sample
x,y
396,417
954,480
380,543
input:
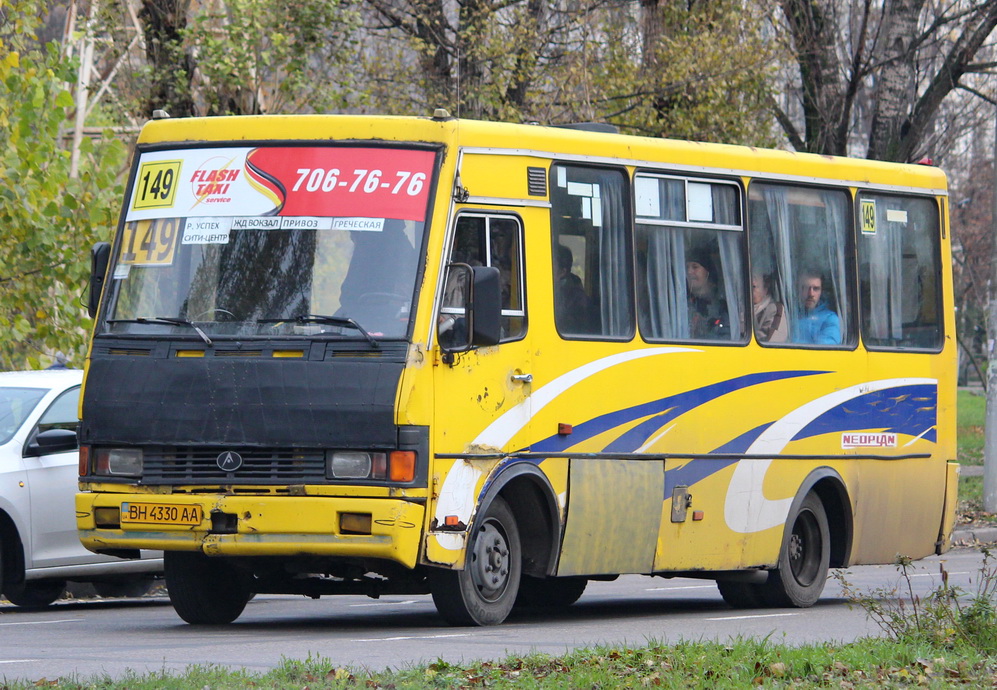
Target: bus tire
x,y
741,595
204,591
484,592
549,592
803,559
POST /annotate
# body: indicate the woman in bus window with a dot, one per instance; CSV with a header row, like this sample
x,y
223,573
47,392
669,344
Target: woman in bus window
x,y
770,316
707,309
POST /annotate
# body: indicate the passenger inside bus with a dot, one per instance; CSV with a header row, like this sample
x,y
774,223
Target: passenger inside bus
x,y
707,309
770,316
378,285
815,323
572,312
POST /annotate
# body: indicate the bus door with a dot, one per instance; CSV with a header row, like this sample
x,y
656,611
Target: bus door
x,y
614,501
482,403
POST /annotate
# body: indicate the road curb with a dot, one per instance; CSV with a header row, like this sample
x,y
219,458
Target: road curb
x,y
977,535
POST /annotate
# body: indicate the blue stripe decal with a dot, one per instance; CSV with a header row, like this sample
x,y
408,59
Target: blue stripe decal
x,y
906,410
664,410
700,468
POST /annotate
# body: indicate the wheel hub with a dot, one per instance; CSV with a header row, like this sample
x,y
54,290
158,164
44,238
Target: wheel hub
x,y
490,567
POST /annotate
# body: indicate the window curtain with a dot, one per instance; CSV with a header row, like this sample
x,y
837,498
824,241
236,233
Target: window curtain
x,y
725,211
668,305
777,209
614,276
885,299
835,215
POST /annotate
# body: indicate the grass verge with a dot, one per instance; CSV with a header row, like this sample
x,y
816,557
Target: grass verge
x,y
971,411
739,663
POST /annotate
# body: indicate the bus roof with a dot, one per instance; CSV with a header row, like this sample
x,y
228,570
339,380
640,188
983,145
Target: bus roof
x,y
543,142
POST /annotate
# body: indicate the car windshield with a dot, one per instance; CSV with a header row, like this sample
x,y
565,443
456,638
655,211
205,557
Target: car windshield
x,y
271,241
15,406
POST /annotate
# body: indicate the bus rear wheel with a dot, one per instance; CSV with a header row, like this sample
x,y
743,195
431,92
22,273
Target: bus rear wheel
x,y
803,559
484,592
204,591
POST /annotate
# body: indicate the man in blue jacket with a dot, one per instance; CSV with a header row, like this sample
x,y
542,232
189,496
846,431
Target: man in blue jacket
x,y
815,323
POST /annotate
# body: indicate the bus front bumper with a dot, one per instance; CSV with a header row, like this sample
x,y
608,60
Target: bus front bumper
x,y
388,529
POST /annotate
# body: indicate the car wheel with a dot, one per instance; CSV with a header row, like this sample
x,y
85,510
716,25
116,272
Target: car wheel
x,y
204,591
803,560
549,592
484,592
35,594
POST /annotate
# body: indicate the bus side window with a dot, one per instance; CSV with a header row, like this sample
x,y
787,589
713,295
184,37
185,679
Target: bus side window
x,y
487,240
689,259
899,271
799,247
592,252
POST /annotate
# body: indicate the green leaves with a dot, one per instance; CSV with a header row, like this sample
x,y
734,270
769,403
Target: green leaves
x,y
49,219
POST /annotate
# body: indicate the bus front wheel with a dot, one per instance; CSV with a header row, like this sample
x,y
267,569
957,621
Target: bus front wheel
x,y
484,592
803,559
204,591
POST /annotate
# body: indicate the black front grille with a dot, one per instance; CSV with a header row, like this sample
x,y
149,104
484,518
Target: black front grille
x,y
195,465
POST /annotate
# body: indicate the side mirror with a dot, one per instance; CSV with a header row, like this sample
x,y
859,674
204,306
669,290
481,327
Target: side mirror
x,y
52,441
486,306
471,311
100,257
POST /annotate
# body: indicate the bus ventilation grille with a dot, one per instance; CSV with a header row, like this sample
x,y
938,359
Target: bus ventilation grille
x,y
186,465
536,181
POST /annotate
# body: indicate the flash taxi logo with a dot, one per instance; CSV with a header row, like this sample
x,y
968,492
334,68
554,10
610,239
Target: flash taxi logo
x,y
213,179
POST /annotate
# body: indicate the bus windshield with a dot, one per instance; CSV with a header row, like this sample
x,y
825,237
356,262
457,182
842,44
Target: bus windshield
x,y
275,241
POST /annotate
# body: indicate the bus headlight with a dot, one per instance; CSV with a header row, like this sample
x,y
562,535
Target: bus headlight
x,y
397,466
353,464
119,462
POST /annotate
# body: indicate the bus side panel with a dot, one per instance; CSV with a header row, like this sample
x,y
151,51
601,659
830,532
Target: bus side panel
x,y
611,526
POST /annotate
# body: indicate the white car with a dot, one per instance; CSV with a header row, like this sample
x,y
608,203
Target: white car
x,y
39,468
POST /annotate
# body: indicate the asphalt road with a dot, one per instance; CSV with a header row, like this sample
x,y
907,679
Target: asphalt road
x,y
113,637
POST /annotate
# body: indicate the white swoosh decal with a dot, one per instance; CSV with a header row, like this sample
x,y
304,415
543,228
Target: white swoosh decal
x,y
746,509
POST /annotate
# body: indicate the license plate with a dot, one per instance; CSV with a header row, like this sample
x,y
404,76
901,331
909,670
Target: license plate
x,y
161,514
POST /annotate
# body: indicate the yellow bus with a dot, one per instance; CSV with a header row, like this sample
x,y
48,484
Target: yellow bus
x,y
492,362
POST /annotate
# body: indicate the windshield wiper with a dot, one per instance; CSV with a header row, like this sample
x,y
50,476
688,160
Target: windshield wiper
x,y
170,320
334,320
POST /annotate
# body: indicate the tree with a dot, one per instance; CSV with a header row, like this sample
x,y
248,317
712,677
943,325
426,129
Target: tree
x,y
48,217
653,67
686,69
258,56
902,57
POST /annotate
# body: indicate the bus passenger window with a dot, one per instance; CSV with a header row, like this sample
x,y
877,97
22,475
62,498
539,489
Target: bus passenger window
x,y
592,275
487,240
899,271
689,259
799,239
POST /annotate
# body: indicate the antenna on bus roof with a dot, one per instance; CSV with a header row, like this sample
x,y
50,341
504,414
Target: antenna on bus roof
x,y
160,114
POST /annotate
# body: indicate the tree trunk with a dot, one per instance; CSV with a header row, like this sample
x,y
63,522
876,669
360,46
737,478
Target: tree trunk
x,y
163,22
896,85
825,112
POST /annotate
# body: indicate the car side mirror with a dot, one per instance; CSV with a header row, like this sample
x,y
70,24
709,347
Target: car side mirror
x,y
100,257
52,441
